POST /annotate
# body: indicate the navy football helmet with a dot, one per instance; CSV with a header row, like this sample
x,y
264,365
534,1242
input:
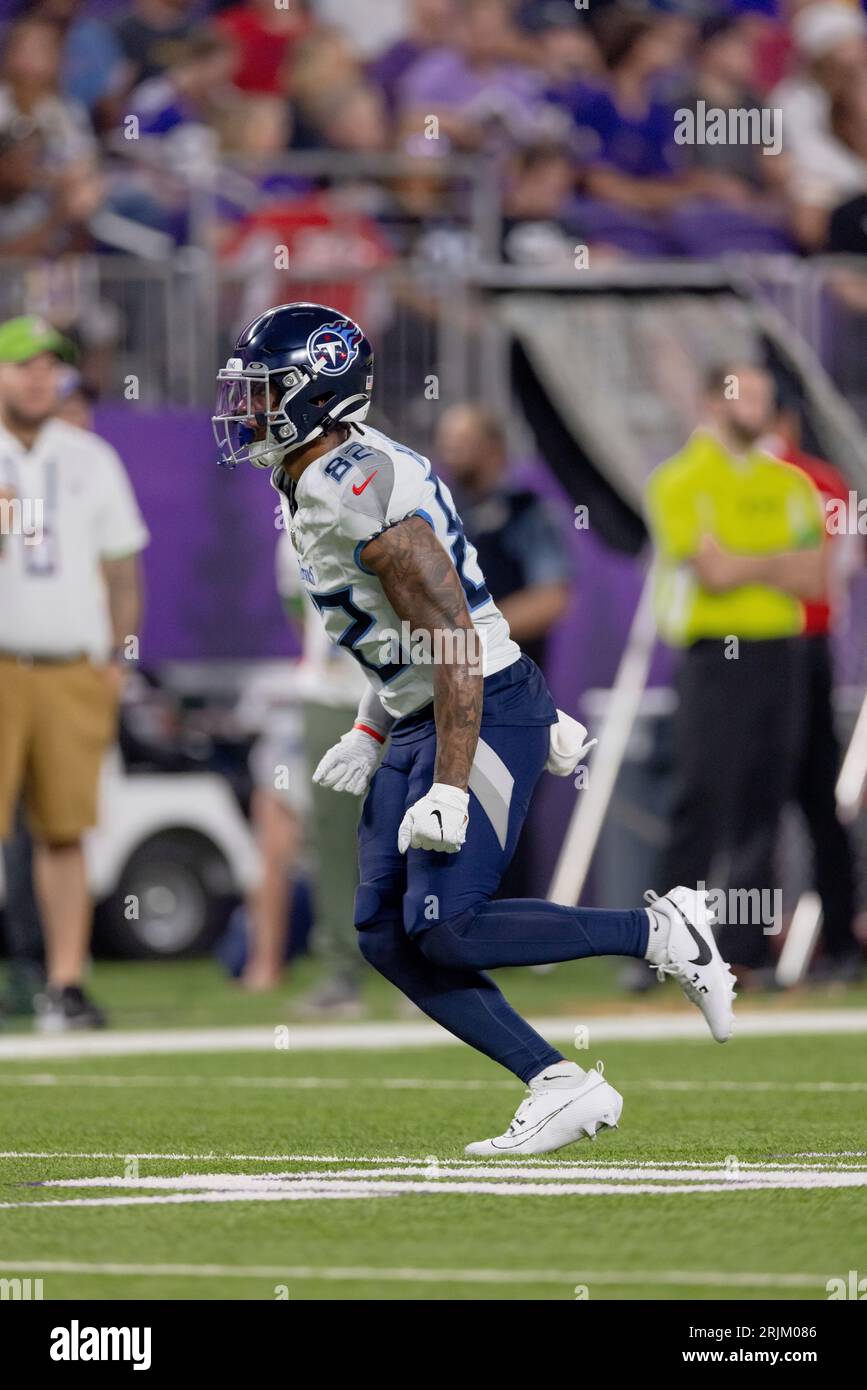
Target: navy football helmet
x,y
295,372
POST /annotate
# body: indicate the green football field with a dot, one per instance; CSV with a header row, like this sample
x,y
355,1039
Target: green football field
x,y
737,1172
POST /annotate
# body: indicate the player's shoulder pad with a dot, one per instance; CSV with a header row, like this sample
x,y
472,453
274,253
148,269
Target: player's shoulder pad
x,y
370,485
380,489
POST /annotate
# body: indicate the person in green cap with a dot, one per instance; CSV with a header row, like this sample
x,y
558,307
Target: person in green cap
x,y
70,602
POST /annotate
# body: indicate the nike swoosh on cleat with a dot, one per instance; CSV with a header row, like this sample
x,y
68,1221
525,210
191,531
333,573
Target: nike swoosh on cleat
x,y
704,956
537,1128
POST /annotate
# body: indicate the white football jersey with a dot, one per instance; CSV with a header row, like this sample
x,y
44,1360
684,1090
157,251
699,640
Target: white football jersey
x,y
340,503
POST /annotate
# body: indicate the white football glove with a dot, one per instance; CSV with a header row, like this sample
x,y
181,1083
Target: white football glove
x,y
438,821
350,764
568,745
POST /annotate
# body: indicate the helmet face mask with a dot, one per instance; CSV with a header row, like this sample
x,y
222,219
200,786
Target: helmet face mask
x,y
250,423
295,373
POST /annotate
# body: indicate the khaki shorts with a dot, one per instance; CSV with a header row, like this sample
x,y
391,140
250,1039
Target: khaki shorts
x,y
56,722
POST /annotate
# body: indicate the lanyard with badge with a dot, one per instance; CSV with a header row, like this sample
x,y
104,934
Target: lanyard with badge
x,y
38,523
7,501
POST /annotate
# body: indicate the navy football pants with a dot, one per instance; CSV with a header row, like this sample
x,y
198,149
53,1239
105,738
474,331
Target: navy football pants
x,y
426,920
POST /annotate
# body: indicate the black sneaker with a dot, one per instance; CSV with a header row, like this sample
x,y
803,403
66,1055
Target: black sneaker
x,y
63,1009
338,997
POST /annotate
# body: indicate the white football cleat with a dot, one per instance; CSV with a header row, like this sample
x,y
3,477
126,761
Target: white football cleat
x,y
682,945
557,1111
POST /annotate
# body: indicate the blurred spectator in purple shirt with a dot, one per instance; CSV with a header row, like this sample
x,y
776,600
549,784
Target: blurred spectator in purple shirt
x,y
431,23
627,132
477,84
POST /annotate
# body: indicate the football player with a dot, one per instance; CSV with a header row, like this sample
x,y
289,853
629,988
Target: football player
x,y
466,721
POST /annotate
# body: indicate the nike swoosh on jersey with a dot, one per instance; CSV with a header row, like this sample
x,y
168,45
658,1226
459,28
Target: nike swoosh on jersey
x,y
359,490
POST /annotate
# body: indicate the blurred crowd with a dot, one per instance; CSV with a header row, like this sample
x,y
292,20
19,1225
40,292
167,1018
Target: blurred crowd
x,y
137,126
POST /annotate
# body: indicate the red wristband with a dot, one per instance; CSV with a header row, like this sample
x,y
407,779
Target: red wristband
x,y
366,729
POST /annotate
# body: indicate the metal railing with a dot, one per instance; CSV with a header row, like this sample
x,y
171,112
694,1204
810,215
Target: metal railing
x,y
155,331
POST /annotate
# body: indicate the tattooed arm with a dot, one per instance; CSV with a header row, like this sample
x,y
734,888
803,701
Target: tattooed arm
x,y
422,586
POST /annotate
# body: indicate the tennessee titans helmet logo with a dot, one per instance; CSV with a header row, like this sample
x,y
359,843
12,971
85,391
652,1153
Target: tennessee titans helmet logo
x,y
295,372
335,346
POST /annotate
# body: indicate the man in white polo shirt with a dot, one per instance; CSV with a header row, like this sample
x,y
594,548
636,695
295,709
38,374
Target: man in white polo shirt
x,y
70,600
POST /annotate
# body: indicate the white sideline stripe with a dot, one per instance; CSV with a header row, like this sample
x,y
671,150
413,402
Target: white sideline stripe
x,y
370,1274
392,1083
493,1165
396,1036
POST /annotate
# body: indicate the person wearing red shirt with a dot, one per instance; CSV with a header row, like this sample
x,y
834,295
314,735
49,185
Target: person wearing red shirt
x,y
321,236
834,868
264,37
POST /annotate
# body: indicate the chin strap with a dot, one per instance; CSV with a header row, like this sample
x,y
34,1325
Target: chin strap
x,y
325,425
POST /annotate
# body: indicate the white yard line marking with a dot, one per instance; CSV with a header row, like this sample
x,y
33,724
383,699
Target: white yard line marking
x,y
300,1189
188,1181
473,1180
397,1036
393,1176
371,1274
